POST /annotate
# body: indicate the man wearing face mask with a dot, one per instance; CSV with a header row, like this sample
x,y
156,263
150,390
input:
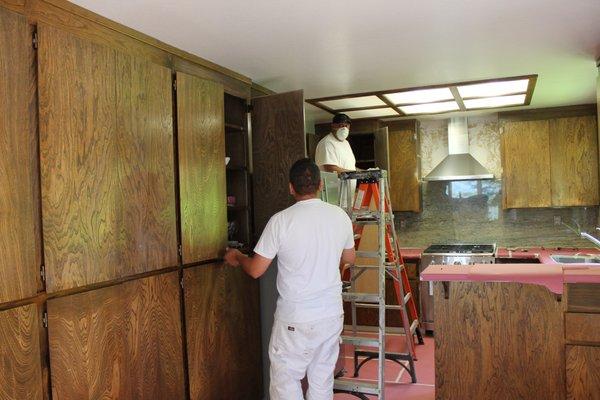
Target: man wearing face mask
x,y
333,153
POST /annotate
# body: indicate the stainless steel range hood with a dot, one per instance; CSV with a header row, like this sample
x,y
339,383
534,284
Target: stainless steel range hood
x,y
459,164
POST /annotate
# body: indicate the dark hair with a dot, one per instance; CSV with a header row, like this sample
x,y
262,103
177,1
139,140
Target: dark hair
x,y
341,119
305,176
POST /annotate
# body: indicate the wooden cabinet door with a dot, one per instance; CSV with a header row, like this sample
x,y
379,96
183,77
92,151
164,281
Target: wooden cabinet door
x,y
118,342
20,245
526,164
202,183
222,314
21,360
277,142
107,165
574,161
583,373
405,192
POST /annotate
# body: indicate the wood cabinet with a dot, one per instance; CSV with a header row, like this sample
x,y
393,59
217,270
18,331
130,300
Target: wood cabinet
x,y
405,190
498,341
526,164
574,161
106,143
20,353
222,315
202,185
20,244
583,372
277,142
239,199
550,162
118,342
582,333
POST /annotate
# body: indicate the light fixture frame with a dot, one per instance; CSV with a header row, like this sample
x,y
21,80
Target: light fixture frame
x,y
452,86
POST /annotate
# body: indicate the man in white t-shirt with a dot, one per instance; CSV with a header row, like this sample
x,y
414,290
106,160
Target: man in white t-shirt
x,y
310,239
333,153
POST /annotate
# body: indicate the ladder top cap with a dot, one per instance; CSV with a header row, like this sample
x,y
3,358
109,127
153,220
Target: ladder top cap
x,y
369,174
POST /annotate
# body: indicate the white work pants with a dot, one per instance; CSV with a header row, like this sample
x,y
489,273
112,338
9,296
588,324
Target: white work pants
x,y
310,349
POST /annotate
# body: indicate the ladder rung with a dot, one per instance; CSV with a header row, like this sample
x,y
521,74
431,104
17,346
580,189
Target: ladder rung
x,y
389,267
407,297
414,326
365,222
387,306
356,386
360,341
367,254
361,297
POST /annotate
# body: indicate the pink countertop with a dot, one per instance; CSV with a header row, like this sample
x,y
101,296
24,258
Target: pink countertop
x,y
547,273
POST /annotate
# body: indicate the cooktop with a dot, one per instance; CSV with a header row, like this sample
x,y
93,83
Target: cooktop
x,y
462,248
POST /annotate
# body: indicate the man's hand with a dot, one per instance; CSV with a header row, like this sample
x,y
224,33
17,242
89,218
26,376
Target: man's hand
x,y
232,257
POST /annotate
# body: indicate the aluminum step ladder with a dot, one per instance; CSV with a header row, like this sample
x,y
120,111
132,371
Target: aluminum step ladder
x,y
373,184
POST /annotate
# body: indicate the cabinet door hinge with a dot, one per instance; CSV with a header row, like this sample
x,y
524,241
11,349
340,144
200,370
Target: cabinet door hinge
x,y
181,282
34,40
179,250
45,319
43,272
174,84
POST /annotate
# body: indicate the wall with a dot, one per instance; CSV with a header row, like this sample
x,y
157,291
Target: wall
x,y
471,211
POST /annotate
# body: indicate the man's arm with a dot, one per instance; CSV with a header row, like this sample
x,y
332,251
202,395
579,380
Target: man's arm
x,y
348,256
254,266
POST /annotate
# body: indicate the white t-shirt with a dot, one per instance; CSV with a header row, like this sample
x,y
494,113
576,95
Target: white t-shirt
x,y
333,152
308,239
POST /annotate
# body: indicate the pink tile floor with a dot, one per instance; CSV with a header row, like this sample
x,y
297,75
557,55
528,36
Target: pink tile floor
x,y
398,384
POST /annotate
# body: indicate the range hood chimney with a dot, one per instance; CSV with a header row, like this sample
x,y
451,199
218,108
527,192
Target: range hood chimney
x,y
459,164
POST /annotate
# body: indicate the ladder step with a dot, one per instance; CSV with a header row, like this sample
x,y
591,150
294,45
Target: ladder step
x,y
387,306
356,386
367,254
388,267
414,326
360,341
361,297
407,297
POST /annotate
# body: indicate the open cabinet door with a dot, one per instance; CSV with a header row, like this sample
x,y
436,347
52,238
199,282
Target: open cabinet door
x,y
381,144
278,140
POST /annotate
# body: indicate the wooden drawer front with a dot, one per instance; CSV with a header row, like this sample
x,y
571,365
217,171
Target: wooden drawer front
x,y
583,297
580,327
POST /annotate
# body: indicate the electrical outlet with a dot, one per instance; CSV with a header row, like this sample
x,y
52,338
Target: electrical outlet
x,y
557,220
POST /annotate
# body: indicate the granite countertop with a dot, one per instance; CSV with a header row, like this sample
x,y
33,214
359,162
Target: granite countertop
x,y
534,253
547,272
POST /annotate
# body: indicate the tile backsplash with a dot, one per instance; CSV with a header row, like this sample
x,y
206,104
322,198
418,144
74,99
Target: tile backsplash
x,y
471,211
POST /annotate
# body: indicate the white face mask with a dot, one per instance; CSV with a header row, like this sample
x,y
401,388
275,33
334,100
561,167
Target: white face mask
x,y
342,133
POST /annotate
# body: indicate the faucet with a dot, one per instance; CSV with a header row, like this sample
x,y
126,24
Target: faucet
x,y
584,235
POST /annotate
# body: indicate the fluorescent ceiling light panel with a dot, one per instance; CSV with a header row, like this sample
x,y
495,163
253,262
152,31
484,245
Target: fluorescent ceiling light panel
x,y
420,96
353,102
500,101
377,112
430,108
490,89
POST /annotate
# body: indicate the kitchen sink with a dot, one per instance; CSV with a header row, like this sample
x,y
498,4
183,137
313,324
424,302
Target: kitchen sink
x,y
577,259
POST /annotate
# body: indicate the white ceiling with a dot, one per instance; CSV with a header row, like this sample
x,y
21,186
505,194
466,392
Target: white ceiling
x,y
336,47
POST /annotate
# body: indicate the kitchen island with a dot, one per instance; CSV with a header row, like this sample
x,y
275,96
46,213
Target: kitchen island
x,y
516,331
